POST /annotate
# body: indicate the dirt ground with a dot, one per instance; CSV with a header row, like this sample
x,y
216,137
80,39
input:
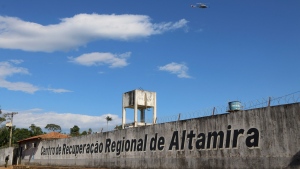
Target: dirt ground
x,y
9,167
44,167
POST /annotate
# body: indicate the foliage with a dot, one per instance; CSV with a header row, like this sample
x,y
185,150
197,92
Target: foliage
x,y
2,119
21,134
75,131
53,127
107,120
118,127
18,134
84,133
87,132
90,131
35,130
4,136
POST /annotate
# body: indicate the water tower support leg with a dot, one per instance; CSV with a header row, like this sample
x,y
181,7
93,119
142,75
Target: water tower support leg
x,y
142,115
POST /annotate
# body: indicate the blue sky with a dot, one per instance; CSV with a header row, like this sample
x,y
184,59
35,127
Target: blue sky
x,y
69,62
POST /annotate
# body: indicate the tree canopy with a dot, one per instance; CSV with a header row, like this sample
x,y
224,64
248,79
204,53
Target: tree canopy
x,y
108,118
4,136
87,132
53,127
35,130
75,131
18,134
2,119
118,127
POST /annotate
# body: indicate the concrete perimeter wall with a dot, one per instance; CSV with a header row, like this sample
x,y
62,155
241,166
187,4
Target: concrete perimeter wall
x,y
5,152
259,138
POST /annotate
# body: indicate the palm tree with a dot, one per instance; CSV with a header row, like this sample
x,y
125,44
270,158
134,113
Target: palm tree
x,y
107,120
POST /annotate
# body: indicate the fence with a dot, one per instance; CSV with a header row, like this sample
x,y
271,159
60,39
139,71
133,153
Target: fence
x,y
264,102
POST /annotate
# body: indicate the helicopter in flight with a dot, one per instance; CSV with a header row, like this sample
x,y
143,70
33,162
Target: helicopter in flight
x,y
199,5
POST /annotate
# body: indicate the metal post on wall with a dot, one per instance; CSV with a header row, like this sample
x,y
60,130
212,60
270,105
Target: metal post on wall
x,y
213,113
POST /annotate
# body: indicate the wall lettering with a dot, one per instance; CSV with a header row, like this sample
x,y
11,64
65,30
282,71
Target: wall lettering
x,y
179,141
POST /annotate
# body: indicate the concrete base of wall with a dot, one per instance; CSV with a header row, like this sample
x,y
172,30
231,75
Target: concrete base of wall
x,y
186,163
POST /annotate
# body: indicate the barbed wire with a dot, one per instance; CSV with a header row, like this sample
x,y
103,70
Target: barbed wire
x,y
273,101
259,103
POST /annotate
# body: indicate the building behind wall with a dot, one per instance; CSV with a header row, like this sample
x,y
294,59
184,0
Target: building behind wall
x,y
28,147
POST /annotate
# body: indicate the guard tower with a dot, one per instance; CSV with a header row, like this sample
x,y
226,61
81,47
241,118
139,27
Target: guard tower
x,y
138,100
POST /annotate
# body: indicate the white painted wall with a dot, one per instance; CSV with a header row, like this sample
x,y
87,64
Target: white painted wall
x,y
3,153
259,138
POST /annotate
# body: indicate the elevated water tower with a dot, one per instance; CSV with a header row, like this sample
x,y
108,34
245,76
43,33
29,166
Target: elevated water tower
x,y
138,100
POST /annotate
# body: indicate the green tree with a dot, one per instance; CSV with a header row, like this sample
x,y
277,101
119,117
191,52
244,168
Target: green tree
x,y
2,119
118,127
18,134
84,133
75,131
35,130
53,127
107,120
90,131
21,134
4,136
87,132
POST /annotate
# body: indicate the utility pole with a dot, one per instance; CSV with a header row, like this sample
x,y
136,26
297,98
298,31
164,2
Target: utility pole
x,y
11,124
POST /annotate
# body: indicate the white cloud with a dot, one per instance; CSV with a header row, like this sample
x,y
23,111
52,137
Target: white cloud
x,y
9,68
96,58
58,90
162,27
18,86
175,68
77,31
65,120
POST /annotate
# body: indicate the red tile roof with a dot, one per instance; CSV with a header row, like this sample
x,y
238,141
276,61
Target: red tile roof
x,y
51,135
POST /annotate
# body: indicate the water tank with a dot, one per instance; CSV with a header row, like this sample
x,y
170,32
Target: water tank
x,y
234,106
